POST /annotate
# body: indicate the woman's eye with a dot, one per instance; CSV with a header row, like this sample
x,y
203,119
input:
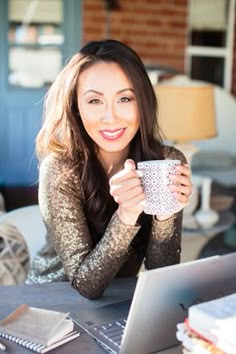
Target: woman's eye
x,y
95,101
125,99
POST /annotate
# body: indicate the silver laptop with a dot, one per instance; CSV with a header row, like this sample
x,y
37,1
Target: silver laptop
x,y
161,300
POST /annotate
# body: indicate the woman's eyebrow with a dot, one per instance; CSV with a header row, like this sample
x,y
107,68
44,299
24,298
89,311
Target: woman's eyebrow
x,y
125,89
101,94
93,91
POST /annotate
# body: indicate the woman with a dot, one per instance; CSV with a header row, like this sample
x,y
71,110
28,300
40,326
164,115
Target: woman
x,y
100,120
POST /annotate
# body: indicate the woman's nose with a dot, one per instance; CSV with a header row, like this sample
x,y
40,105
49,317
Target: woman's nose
x,y
109,114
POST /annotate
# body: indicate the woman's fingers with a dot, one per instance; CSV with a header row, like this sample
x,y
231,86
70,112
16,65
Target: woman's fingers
x,y
181,179
127,172
121,186
185,190
122,195
126,185
126,189
125,180
184,169
135,204
181,185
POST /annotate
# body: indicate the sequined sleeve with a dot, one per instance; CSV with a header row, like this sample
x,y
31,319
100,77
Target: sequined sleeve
x,y
164,247
89,269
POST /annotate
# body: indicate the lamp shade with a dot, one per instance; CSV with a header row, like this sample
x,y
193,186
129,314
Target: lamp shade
x,y
186,113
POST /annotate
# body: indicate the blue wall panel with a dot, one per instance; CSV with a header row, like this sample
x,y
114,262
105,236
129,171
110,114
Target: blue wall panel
x,y
21,108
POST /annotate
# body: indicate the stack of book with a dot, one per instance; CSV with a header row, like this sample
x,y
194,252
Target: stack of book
x,y
37,329
210,327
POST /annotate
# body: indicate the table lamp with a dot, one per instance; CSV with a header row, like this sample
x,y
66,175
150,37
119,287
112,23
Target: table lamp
x,y
187,113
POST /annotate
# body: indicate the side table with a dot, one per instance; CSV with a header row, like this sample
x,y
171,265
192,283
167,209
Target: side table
x,y
195,239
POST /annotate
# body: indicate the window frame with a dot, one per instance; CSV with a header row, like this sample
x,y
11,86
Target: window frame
x,y
216,52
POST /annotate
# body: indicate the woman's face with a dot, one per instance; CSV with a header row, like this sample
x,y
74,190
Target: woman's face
x,y
108,108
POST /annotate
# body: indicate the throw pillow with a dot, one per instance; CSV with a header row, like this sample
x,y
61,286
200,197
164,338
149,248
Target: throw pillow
x,y
14,256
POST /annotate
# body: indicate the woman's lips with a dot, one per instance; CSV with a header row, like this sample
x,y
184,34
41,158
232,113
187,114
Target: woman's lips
x,y
112,134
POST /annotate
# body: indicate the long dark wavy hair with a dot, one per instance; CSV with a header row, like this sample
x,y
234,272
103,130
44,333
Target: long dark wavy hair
x,y
64,134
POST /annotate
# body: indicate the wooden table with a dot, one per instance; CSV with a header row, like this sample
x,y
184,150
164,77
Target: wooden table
x,y
62,297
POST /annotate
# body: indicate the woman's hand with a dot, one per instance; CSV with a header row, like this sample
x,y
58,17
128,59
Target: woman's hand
x,y
126,189
181,187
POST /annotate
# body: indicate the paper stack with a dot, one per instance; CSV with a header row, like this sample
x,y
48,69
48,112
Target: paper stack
x,y
210,327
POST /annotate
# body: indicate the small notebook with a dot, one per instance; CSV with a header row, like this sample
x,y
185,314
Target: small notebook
x,y
37,329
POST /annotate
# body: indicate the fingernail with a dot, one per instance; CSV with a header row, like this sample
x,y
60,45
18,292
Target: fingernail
x,y
176,194
173,177
139,173
129,164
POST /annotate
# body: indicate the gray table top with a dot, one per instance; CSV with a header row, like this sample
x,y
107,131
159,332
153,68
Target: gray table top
x,y
62,297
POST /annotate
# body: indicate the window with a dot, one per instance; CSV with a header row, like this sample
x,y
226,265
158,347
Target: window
x,y
210,41
35,40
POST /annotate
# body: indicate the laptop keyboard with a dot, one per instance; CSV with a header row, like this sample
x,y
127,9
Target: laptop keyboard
x,y
113,331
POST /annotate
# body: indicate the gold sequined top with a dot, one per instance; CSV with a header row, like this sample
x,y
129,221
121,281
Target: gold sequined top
x,y
69,253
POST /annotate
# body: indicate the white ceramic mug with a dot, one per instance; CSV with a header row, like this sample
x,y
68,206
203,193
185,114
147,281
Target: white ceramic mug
x,y
155,179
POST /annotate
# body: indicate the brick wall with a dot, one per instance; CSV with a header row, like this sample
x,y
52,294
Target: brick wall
x,y
156,29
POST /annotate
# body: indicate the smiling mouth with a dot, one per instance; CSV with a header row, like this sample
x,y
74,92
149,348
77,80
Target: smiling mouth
x,y
112,134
